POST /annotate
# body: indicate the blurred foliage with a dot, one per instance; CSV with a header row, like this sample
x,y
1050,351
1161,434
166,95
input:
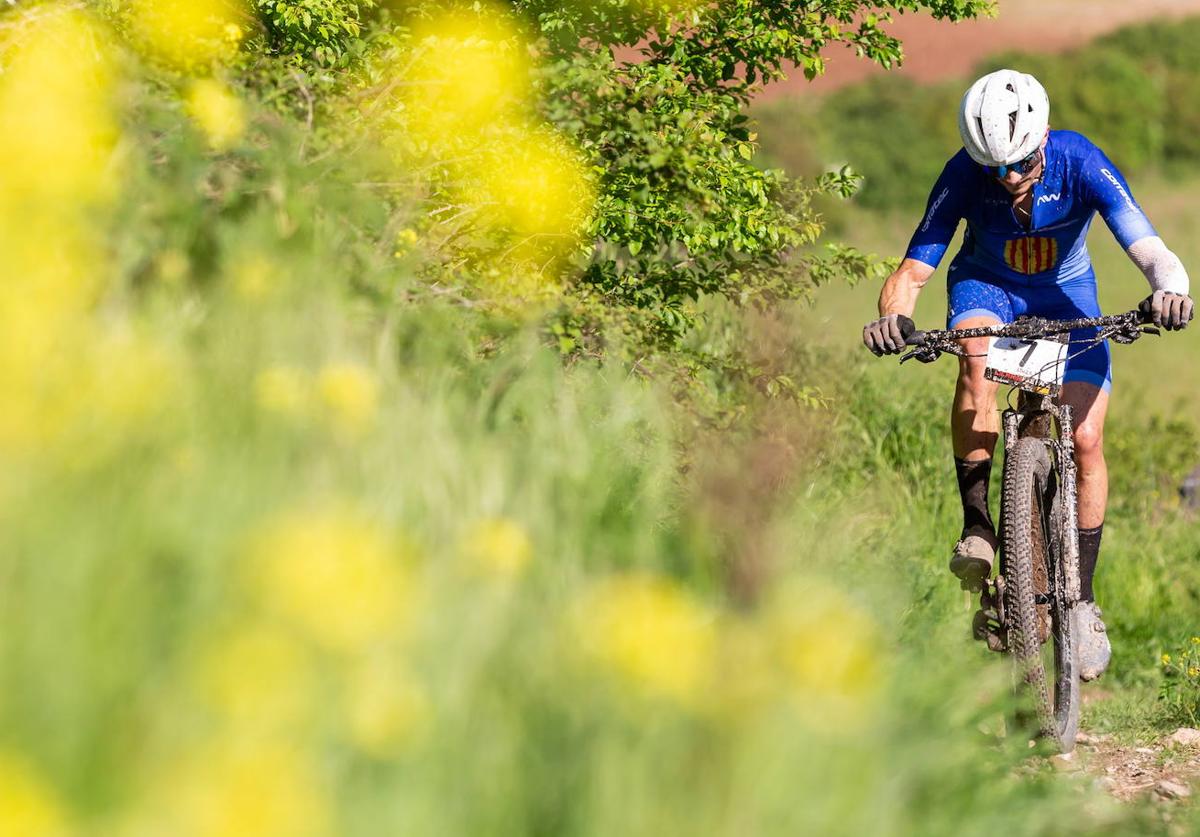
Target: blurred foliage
x,y
306,527
1132,92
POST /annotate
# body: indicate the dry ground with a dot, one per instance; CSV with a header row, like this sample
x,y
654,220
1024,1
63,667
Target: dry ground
x,y
937,50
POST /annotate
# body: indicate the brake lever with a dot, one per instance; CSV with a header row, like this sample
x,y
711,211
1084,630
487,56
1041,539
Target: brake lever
x,y
925,354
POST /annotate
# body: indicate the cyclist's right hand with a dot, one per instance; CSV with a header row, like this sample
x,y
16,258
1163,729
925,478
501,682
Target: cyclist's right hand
x,y
883,336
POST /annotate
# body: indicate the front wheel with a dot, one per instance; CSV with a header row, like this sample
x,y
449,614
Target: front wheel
x,y
1034,594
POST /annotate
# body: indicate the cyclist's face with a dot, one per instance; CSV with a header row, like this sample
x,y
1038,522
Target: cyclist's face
x,y
1018,183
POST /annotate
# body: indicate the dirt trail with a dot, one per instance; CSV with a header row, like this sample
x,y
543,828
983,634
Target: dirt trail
x,y
1165,769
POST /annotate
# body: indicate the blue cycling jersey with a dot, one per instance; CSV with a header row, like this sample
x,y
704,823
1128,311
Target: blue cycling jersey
x,y
1078,181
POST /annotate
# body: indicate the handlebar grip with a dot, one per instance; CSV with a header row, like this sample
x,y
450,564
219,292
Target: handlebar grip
x,y
908,330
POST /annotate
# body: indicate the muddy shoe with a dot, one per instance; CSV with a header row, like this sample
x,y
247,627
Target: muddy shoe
x,y
972,561
1094,650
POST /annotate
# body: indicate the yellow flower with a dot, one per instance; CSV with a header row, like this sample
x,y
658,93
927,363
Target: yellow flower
x,y
254,277
470,71
218,112
532,183
1196,640
242,787
187,34
405,239
1166,659
257,674
498,547
336,576
284,390
1193,671
650,633
28,806
56,107
385,708
350,394
827,648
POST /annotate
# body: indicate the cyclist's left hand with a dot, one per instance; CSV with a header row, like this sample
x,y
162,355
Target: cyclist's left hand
x,y
1170,310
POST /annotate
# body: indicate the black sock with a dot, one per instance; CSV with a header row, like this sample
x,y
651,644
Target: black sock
x,y
1089,551
973,479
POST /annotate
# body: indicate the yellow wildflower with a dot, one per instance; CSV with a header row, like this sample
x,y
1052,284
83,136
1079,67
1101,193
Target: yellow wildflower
x,y
338,577
471,71
498,547
530,182
385,708
405,239
284,390
254,277
56,107
1166,659
1193,671
1196,640
218,111
242,787
28,806
187,34
827,648
257,674
350,394
650,633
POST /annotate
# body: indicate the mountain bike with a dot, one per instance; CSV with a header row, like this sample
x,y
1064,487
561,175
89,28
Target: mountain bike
x,y
1028,610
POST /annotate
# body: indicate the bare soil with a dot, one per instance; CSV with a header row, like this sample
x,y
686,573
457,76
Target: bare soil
x,y
936,50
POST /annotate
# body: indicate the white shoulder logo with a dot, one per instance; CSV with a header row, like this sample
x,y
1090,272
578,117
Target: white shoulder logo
x,y
1057,196
1113,180
934,208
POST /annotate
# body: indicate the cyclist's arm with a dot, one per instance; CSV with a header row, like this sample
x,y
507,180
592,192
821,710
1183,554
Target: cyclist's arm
x,y
900,290
1162,268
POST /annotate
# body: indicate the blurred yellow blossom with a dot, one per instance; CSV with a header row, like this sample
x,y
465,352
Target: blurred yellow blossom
x,y
350,394
188,34
335,575
218,111
385,708
1166,659
258,674
498,547
828,648
531,183
28,806
56,108
470,71
405,239
240,786
651,633
254,276
283,389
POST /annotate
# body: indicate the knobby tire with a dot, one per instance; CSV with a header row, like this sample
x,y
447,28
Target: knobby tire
x,y
1031,528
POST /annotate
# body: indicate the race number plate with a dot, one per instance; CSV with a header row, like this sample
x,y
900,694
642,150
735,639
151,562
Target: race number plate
x,y
1034,365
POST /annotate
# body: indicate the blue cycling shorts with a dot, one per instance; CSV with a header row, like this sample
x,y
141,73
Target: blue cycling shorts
x,y
973,295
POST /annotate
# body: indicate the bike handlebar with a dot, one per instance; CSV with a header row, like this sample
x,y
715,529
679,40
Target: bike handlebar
x,y
1124,328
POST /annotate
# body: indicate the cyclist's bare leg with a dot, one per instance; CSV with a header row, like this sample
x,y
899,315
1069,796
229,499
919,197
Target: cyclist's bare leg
x,y
974,422
975,426
1089,405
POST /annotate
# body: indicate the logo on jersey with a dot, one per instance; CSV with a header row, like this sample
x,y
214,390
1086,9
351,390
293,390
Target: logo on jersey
x,y
933,208
1031,255
1057,196
1108,175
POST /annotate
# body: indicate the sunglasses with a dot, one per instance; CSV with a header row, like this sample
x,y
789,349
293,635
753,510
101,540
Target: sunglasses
x,y
1020,167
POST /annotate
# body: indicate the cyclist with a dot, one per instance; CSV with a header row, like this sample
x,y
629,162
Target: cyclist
x,y
1028,195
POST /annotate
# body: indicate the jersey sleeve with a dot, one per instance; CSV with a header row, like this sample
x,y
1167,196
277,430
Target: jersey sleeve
x,y
1107,192
942,214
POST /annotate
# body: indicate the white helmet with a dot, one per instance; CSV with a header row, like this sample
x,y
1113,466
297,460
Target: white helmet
x,y
1003,118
